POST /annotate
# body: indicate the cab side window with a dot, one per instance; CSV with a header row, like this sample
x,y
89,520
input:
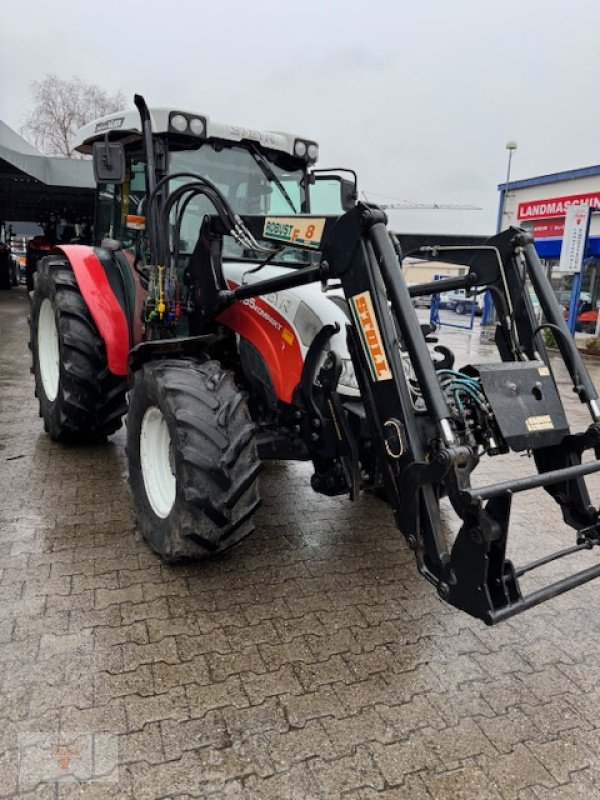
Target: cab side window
x,y
114,202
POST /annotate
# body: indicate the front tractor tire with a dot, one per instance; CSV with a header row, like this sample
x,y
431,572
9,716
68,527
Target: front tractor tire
x,y
80,400
193,460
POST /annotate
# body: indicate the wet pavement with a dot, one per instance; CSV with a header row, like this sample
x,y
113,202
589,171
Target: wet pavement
x,y
311,662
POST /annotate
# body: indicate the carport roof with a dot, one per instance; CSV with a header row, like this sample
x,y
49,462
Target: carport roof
x,y
33,185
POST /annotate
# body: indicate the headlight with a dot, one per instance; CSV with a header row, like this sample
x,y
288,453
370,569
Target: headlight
x,y
313,151
348,376
197,126
300,148
307,323
179,122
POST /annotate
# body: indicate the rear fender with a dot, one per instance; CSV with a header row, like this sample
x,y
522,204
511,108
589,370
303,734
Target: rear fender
x,y
102,303
180,347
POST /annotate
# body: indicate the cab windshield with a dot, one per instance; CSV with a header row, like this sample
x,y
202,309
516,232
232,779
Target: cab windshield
x,y
253,181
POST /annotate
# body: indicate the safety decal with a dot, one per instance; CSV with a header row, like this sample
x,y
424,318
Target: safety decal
x,y
541,423
361,306
305,231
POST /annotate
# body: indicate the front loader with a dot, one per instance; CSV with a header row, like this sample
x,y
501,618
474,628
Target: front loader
x,y
245,325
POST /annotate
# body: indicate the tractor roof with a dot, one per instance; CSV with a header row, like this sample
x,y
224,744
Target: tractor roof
x,y
127,124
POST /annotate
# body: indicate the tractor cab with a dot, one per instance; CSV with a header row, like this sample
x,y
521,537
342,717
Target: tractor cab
x,y
143,158
259,173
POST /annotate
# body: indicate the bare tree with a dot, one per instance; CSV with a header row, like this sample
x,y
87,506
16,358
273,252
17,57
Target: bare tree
x,y
60,108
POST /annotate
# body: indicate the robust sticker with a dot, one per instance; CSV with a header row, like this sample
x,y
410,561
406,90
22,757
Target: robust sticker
x,y
361,306
544,372
295,230
541,423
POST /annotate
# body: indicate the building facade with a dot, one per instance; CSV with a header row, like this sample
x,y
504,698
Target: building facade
x,y
539,205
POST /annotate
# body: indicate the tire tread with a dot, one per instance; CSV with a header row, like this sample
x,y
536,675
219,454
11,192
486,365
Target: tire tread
x,y
215,454
91,400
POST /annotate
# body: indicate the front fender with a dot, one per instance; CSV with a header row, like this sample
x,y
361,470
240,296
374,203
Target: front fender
x,y
102,303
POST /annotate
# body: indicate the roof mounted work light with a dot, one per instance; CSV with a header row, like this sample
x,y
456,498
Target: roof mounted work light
x,y
187,123
306,149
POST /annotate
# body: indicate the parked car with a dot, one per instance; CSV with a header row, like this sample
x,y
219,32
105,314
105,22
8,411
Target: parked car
x,y
15,270
37,248
586,321
563,297
461,302
587,316
9,267
423,301
19,253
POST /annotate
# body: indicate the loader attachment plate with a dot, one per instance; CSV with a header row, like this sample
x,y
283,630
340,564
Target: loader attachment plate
x,y
525,402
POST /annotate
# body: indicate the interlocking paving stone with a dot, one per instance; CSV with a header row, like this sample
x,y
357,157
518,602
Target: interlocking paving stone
x,y
516,770
324,702
311,662
347,773
468,782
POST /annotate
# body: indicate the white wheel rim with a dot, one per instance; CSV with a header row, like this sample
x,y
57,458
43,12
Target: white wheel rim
x,y
48,353
155,459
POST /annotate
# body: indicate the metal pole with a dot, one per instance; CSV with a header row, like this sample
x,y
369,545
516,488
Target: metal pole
x,y
511,150
574,302
582,383
488,311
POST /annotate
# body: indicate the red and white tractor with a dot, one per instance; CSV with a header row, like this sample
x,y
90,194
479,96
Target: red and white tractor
x,y
240,304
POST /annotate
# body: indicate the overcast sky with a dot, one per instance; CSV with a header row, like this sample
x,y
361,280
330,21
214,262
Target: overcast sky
x,y
419,97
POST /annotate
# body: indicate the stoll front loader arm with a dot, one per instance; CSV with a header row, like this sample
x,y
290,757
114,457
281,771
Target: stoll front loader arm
x,y
432,423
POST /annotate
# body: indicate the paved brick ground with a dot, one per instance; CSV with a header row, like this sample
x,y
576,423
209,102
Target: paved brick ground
x,y
311,662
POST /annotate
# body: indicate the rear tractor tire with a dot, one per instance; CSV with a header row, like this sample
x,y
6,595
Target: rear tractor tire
x,y
80,400
193,460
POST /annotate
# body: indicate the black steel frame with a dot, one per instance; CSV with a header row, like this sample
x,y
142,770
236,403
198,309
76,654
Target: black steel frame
x,y
474,575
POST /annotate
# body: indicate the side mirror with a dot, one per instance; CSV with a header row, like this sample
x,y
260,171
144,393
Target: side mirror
x,y
331,194
109,162
348,193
